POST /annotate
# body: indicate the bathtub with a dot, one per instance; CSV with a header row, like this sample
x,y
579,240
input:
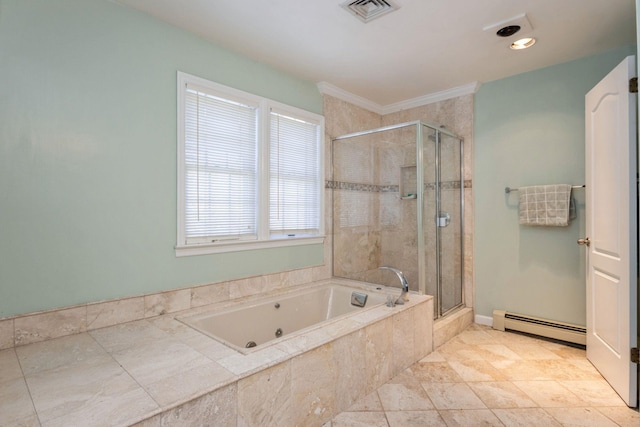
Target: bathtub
x,y
254,325
329,355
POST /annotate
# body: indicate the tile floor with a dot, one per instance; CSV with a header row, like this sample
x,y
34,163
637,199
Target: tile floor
x,y
484,377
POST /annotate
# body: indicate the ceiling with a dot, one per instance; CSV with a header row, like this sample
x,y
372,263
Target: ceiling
x,y
424,47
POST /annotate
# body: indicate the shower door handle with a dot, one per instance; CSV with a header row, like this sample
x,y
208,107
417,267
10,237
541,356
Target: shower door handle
x,y
584,242
443,219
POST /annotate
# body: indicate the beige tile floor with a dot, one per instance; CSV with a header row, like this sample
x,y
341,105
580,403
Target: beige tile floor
x,y
484,377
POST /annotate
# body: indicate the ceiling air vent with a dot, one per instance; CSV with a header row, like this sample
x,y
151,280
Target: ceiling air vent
x,y
367,10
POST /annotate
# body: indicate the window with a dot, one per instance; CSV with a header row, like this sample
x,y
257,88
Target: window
x,y
250,171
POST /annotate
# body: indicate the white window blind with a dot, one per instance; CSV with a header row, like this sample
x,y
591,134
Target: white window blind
x,y
294,196
221,168
250,171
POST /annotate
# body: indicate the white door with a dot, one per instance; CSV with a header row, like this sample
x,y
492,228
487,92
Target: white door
x,y
611,229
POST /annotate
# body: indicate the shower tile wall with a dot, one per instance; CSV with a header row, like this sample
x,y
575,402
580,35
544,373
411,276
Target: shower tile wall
x,y
455,115
342,118
361,249
397,152
372,226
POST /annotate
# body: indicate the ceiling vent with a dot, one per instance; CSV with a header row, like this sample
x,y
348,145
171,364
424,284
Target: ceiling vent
x,y
367,10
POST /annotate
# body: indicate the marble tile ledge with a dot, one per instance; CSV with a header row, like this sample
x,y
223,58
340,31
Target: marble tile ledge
x,y
40,326
141,370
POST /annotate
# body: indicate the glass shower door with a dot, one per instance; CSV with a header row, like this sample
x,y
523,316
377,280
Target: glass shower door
x,y
449,223
373,224
429,229
442,219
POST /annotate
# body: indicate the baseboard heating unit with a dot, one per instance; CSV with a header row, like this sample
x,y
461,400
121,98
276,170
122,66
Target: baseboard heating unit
x,y
503,320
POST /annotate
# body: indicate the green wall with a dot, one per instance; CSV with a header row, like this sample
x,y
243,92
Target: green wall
x,y
529,129
88,153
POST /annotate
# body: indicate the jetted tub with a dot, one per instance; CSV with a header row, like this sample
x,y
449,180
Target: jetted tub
x,y
249,326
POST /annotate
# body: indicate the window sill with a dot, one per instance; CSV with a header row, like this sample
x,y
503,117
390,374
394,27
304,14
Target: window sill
x,y
205,249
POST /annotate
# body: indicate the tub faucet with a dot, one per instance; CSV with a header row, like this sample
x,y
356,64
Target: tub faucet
x,y
405,285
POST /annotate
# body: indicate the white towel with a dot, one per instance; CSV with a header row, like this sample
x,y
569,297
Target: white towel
x,y
545,205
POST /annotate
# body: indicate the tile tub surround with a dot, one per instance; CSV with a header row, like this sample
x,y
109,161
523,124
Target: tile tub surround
x,y
41,326
157,371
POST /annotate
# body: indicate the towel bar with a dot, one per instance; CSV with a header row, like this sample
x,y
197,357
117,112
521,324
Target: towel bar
x,y
509,189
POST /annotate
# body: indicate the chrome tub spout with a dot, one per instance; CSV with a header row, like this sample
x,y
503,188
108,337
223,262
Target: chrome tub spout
x,y
403,281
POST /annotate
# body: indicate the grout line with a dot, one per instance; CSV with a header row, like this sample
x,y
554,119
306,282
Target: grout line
x,y
26,383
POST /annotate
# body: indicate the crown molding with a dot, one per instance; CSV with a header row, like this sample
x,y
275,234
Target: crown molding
x,y
329,89
443,95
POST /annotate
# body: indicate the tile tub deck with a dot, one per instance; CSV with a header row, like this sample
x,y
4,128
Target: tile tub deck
x,y
158,371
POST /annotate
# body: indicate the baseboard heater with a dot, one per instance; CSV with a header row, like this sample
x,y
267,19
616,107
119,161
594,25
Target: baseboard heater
x,y
504,320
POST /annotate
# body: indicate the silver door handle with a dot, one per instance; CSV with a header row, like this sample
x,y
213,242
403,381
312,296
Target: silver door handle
x,y
584,242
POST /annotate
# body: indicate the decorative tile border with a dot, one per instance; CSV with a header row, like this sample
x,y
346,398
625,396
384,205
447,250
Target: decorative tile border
x,y
452,185
373,188
368,188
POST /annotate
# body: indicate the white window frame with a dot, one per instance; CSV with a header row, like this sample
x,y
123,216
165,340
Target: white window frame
x,y
265,106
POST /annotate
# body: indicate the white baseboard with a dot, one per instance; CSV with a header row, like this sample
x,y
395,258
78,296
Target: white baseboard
x,y
483,320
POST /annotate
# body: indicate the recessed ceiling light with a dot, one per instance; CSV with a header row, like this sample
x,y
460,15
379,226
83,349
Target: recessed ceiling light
x,y
523,43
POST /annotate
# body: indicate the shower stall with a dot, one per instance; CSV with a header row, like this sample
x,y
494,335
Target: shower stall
x,y
398,200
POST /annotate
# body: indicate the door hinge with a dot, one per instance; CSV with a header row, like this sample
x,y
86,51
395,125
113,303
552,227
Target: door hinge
x,y
633,85
635,355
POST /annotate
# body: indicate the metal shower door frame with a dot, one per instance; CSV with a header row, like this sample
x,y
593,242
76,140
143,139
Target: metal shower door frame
x,y
422,273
